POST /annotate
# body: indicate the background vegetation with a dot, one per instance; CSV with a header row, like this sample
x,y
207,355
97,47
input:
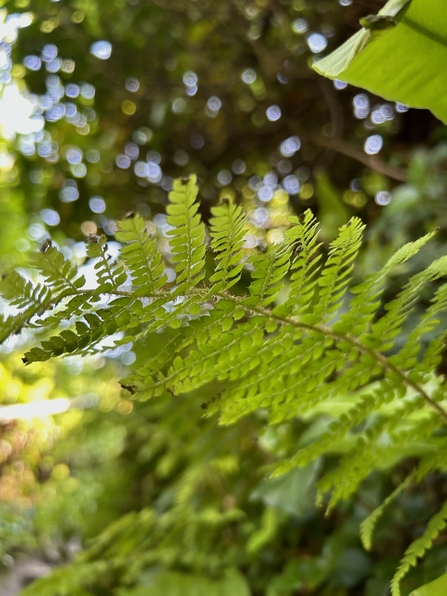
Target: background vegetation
x,y
122,97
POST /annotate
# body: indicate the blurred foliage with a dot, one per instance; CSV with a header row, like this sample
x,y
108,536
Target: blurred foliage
x,y
131,94
47,495
74,171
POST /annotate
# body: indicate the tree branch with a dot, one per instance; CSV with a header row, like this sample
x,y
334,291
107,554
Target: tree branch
x,y
372,161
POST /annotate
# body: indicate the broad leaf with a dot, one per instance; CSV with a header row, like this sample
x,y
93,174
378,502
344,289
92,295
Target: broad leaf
x,y
397,55
438,587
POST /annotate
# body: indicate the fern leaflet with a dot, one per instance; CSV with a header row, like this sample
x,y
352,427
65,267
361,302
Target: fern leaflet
x,y
187,236
418,547
227,231
141,256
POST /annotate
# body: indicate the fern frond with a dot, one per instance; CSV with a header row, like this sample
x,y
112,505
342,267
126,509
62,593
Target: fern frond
x,y
109,275
31,300
182,339
9,326
324,378
122,314
418,548
172,583
268,273
367,526
367,295
187,238
57,270
385,391
23,294
141,256
302,236
211,357
288,359
345,479
68,581
428,324
336,273
378,447
387,328
292,368
427,464
227,231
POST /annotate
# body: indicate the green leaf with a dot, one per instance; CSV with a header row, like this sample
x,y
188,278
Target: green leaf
x,y
306,264
377,59
109,275
290,361
293,493
269,271
336,275
438,587
266,533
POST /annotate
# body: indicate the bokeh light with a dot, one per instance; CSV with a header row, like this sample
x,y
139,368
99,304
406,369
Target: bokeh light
x,y
101,49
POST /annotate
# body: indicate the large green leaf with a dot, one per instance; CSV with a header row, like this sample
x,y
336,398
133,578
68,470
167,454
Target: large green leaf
x,y
402,62
438,587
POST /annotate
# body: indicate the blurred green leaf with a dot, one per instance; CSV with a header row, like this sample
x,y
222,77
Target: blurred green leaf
x,y
379,60
333,212
266,533
182,584
438,587
293,493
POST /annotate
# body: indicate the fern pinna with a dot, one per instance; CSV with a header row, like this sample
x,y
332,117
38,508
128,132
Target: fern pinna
x,y
296,340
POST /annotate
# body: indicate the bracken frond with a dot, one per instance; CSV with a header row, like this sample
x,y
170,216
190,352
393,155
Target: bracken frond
x,y
289,343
